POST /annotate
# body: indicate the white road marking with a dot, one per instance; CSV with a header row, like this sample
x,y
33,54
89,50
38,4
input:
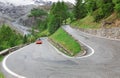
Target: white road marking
x,y
92,51
8,70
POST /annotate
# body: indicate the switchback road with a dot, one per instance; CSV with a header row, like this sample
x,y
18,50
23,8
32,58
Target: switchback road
x,y
43,61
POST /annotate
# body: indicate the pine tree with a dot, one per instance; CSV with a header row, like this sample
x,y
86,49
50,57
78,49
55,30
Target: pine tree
x,y
58,13
79,9
90,6
8,38
65,12
25,39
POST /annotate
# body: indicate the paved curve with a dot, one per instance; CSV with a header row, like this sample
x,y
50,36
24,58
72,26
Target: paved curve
x,y
42,61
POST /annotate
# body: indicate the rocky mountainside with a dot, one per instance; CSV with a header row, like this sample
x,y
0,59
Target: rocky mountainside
x,y
14,11
10,13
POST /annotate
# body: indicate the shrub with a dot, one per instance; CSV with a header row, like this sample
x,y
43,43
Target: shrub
x,y
98,15
104,11
9,38
117,9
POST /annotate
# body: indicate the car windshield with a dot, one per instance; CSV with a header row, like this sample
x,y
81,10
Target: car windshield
x,y
39,39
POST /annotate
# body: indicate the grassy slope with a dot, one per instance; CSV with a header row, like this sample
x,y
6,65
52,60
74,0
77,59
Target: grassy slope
x,y
1,75
87,22
112,17
61,37
1,58
43,33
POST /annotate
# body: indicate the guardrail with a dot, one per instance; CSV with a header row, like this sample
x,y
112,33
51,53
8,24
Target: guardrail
x,y
9,50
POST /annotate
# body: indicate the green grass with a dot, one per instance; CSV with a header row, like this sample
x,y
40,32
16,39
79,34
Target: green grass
x,y
1,75
86,23
1,58
43,33
61,37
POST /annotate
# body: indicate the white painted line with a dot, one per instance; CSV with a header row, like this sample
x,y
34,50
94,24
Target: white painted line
x,y
92,51
8,70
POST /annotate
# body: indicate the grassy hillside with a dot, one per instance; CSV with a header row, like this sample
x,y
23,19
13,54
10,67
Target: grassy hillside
x,y
61,37
87,22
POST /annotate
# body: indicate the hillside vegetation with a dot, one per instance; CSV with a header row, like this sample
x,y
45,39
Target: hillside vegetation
x,y
87,23
9,38
92,14
96,13
1,75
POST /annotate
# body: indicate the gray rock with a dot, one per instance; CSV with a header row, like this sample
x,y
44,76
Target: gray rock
x,y
14,11
113,33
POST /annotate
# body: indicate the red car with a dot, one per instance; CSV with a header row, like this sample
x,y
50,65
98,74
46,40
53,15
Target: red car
x,y
39,41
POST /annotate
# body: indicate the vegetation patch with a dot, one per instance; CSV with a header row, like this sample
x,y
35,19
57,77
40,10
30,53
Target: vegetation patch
x,y
9,38
43,33
1,58
1,75
65,40
86,23
93,14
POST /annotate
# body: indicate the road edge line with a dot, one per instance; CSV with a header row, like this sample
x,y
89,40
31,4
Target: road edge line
x,y
92,51
8,70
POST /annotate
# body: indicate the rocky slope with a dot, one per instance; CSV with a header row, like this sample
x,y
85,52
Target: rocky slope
x,y
14,11
10,14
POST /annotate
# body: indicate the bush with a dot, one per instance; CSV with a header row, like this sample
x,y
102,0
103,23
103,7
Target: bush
x,y
104,11
37,13
9,38
107,9
98,15
25,39
116,1
31,38
117,9
43,33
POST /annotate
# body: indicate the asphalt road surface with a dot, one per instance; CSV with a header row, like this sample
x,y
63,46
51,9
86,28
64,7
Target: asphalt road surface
x,y
43,61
